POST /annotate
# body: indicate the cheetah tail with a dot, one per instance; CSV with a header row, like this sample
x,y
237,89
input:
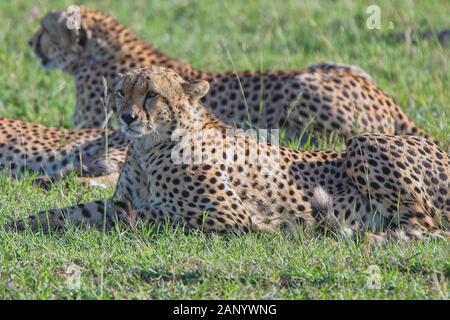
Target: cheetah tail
x,y
322,202
322,209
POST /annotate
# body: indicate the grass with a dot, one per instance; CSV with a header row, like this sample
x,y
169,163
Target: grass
x,y
214,35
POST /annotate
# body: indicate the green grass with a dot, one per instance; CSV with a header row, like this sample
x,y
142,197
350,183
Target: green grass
x,y
215,35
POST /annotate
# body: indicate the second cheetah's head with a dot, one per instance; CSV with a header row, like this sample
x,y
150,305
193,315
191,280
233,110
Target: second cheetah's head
x,y
155,101
61,40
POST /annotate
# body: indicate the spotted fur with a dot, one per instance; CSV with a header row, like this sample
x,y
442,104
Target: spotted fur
x,y
339,98
53,152
236,183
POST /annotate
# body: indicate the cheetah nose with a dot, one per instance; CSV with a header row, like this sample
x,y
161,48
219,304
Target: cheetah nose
x,y
128,117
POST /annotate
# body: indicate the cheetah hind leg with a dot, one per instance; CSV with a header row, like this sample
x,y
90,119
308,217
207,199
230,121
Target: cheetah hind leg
x,y
406,232
322,207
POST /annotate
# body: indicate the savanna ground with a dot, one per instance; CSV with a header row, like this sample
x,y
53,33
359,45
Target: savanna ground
x,y
217,35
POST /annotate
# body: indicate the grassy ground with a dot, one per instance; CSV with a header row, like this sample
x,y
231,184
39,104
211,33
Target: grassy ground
x,y
217,36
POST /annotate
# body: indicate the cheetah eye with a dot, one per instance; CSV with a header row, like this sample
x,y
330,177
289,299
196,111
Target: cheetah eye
x,y
120,93
149,96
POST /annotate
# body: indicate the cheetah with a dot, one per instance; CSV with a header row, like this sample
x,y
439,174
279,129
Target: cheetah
x,y
54,152
338,98
187,167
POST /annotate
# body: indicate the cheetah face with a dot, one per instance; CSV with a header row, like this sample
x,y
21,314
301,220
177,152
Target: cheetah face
x,y
59,43
154,101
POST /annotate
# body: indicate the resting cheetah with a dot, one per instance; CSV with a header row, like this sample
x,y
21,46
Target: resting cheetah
x,y
338,97
53,152
228,181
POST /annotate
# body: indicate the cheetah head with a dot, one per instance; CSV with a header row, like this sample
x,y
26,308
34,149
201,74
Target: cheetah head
x,y
156,101
62,38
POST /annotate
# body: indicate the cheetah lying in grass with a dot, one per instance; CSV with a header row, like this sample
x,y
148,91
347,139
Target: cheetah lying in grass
x,y
53,152
337,96
185,166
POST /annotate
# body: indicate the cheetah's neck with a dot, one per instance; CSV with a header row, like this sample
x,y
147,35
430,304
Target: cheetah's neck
x,y
121,50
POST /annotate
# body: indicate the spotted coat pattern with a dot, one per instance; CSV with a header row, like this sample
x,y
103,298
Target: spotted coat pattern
x,y
381,183
336,97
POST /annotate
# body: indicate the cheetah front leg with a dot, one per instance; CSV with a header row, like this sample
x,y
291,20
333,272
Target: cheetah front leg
x,y
100,213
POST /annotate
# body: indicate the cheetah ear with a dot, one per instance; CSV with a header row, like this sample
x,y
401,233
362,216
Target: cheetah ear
x,y
76,34
196,89
69,26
